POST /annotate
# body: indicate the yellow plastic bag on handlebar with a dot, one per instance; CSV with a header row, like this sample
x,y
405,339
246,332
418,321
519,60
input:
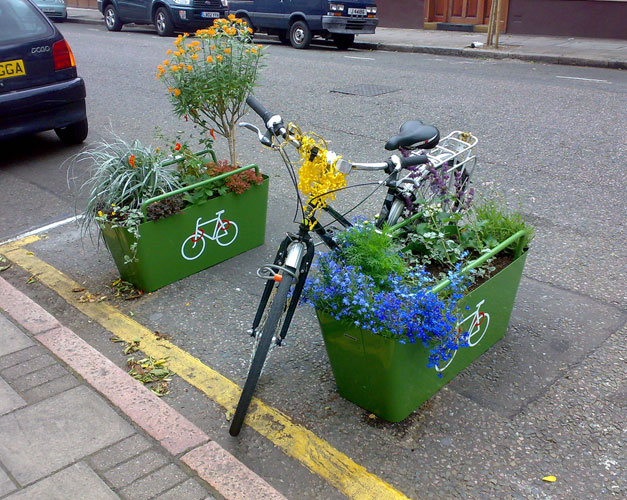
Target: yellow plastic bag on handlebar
x,y
318,180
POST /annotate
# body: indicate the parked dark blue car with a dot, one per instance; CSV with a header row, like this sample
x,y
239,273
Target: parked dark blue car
x,y
168,16
297,21
39,87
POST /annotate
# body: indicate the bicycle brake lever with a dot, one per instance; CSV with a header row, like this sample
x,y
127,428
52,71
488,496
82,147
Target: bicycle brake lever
x,y
250,126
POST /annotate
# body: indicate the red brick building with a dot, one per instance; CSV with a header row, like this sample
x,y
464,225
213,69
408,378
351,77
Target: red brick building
x,y
585,18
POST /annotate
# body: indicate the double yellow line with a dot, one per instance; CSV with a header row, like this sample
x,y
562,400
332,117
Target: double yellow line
x,y
317,455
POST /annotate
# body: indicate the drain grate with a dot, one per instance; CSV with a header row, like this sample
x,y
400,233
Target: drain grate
x,y
366,90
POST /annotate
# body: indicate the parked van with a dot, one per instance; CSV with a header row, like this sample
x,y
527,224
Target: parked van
x,y
296,21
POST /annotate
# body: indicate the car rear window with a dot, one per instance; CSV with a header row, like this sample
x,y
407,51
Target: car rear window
x,y
20,21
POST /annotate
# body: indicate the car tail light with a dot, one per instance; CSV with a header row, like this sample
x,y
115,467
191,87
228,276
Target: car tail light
x,y
62,54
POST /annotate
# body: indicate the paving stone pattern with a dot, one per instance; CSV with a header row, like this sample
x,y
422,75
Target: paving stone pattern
x,y
60,439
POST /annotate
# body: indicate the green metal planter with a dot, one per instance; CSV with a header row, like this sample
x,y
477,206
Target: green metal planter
x,y
194,239
391,379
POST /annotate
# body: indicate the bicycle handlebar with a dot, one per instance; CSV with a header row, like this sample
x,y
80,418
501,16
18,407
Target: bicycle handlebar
x,y
274,125
259,108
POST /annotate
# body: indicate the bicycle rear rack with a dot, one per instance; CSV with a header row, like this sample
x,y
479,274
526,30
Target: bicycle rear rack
x,y
456,149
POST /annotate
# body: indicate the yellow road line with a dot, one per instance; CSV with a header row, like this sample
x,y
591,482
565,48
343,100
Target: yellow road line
x,y
317,455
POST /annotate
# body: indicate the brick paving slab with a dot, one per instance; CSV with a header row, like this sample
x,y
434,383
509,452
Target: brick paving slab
x,y
137,467
6,485
12,339
69,484
155,483
38,378
51,388
119,452
27,367
9,399
18,357
189,490
49,435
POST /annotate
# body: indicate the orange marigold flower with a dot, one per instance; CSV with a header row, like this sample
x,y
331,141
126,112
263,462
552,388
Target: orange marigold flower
x,y
174,69
213,47
177,146
170,89
168,52
166,63
131,161
227,51
250,30
195,56
239,21
231,17
211,32
209,59
254,51
219,58
189,67
185,35
177,92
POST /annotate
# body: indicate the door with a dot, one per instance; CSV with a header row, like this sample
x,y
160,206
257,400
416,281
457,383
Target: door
x,y
463,11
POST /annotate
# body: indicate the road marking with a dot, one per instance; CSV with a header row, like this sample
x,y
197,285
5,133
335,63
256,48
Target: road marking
x,y
364,58
584,79
92,29
42,229
317,455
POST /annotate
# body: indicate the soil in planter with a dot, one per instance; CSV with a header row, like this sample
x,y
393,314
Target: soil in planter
x,y
164,208
497,264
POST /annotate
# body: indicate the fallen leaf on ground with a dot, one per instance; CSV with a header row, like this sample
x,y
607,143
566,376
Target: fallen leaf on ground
x,y
549,479
77,289
31,280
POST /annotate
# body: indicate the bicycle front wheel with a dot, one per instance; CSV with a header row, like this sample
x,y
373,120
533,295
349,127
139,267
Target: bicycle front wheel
x,y
278,308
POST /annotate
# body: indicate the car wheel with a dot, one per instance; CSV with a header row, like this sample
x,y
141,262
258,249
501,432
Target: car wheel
x,y
248,22
300,35
342,41
284,37
163,23
112,20
74,133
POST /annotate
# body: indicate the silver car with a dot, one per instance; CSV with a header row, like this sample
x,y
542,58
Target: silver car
x,y
54,9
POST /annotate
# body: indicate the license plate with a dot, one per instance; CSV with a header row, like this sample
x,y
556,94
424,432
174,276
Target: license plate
x,y
9,69
356,12
210,14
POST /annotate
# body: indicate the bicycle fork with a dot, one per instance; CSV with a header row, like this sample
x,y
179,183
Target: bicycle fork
x,y
291,255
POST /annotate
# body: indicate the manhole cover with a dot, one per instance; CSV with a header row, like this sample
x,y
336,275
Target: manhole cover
x,y
366,90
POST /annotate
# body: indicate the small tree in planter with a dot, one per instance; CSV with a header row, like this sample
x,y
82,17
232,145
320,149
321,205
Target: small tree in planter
x,y
210,76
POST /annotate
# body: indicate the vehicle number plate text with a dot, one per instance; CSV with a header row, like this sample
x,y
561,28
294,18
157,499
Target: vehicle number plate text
x,y
356,12
210,14
12,68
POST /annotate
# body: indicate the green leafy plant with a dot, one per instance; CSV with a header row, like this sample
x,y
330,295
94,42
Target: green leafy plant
x,y
236,183
494,222
210,76
122,176
374,251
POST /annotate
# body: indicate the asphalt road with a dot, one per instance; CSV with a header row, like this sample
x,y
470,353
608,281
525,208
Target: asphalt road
x,y
548,399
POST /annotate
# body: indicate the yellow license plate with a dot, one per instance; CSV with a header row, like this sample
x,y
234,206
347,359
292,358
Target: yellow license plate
x,y
9,69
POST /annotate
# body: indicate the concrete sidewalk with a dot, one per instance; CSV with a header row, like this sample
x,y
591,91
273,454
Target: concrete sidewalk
x,y
593,52
74,425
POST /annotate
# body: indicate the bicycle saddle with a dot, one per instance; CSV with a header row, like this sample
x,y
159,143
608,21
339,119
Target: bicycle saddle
x,y
413,135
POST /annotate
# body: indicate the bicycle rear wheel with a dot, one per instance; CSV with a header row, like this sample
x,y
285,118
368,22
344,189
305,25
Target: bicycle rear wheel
x,y
278,305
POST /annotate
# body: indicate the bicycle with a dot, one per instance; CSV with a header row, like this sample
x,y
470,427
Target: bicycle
x,y
285,277
223,229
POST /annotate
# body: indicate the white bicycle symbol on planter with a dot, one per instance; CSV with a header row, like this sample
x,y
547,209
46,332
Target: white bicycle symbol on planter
x,y
224,233
479,322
